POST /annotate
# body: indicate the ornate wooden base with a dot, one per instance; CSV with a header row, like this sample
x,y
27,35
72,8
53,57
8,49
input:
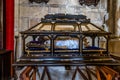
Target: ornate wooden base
x,y
100,73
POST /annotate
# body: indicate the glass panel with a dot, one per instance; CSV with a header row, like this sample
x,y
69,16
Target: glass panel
x,y
37,27
64,27
46,27
66,42
84,28
93,28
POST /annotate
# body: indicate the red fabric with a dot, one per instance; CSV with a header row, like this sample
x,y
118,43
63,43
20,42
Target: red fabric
x,y
10,24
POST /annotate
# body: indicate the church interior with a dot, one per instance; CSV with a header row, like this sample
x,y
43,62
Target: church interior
x,y
60,40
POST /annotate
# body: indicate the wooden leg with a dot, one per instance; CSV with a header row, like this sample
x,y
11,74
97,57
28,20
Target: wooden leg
x,y
109,77
92,73
108,72
25,75
88,73
34,74
103,72
73,77
80,72
37,71
43,74
47,72
98,74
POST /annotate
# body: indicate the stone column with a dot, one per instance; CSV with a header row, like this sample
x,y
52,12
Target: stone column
x,y
117,19
114,25
111,8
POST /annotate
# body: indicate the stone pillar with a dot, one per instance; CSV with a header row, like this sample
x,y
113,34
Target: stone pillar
x,y
117,19
111,8
114,18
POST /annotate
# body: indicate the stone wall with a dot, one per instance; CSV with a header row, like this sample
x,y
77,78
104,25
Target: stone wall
x,y
26,14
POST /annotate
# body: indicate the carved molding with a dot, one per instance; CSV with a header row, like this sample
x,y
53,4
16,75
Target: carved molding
x,y
89,2
112,5
38,1
86,2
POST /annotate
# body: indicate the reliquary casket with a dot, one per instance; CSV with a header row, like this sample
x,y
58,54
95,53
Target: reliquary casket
x,y
65,35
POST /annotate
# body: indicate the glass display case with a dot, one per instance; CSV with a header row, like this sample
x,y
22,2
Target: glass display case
x,y
67,34
47,30
64,38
